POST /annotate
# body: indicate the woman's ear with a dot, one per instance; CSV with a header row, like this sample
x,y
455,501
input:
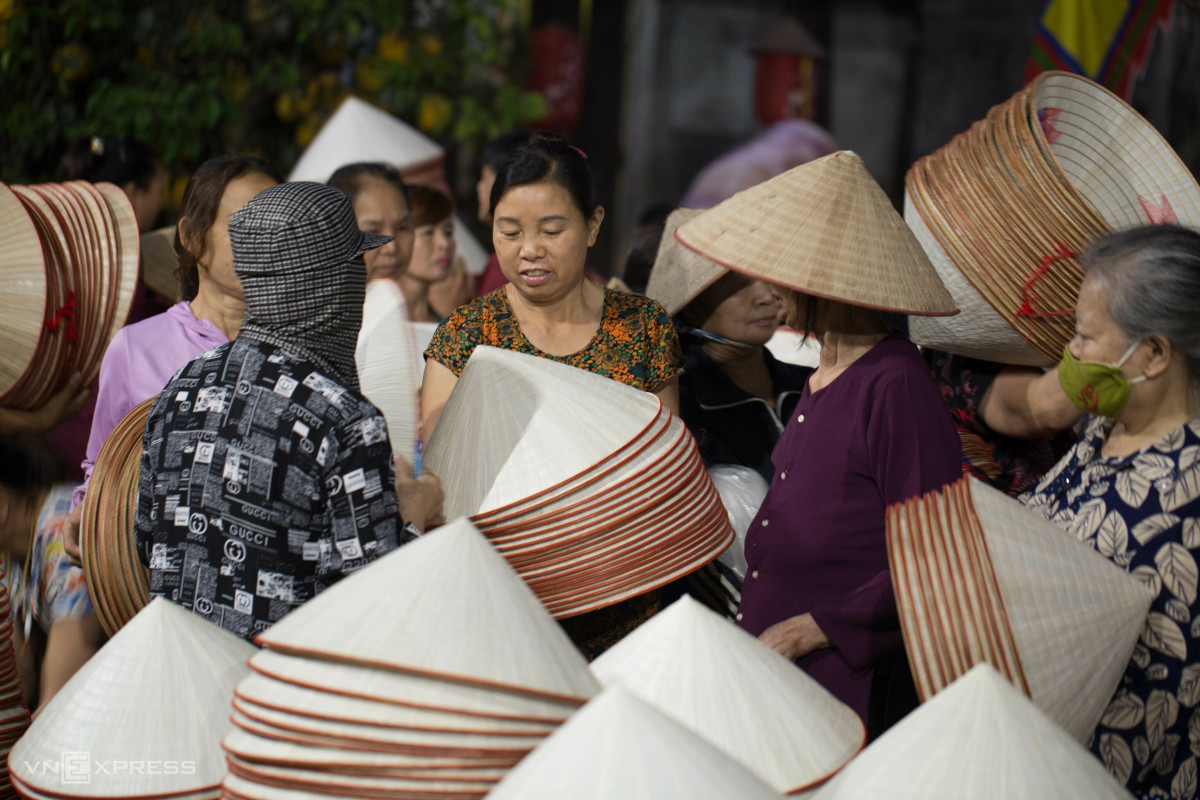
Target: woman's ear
x,y
594,224
1161,353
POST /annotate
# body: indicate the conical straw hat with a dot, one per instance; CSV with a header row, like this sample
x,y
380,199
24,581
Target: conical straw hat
x,y
128,246
501,434
996,578
980,738
724,685
23,275
618,746
388,372
827,229
680,274
384,786
159,690
159,262
359,131
446,605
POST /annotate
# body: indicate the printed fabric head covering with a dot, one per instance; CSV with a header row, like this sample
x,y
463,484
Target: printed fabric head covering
x,y
296,248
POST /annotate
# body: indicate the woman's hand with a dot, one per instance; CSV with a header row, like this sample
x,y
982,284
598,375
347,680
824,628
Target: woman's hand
x,y
70,535
795,637
420,498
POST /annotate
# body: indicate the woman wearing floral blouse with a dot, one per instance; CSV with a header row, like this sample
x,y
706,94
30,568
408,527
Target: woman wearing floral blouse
x,y
1130,487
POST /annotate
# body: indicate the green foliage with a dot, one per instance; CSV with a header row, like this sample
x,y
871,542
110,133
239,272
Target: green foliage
x,y
257,76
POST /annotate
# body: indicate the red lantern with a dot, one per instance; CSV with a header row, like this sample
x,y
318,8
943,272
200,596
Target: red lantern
x,y
785,85
558,73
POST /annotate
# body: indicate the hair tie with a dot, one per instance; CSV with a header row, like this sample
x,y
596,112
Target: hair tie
x,y
577,150
97,146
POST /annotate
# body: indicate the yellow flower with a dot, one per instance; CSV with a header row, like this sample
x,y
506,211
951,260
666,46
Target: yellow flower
x,y
366,78
307,130
290,105
175,190
256,10
71,62
325,90
392,48
238,83
144,56
433,113
430,44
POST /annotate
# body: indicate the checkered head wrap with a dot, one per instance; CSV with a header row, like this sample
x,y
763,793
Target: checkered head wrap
x,y
298,252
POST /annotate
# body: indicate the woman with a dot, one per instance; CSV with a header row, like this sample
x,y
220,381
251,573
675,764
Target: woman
x,y
142,357
381,205
733,394
545,218
54,627
433,252
1130,487
869,430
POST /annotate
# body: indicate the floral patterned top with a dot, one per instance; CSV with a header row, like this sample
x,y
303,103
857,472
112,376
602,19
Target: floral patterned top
x,y
1142,511
58,590
636,343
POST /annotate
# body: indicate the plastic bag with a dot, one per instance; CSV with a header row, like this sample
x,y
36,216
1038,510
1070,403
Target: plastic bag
x,y
742,491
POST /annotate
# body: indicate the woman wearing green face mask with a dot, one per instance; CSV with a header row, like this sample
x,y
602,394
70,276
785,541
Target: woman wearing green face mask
x,y
1130,487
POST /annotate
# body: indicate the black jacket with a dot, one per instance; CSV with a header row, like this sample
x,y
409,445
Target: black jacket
x,y
732,426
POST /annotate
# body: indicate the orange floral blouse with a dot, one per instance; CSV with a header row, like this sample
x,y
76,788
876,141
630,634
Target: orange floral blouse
x,y
636,343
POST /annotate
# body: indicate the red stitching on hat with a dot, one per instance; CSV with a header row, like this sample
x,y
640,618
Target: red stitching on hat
x,y
1029,300
67,311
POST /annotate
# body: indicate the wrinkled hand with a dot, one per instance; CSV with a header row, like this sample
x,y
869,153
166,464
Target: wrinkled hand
x,y
64,404
70,535
420,498
795,637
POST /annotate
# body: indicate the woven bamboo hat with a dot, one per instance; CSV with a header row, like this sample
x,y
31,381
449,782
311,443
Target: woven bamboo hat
x,y
588,514
726,686
447,606
158,691
827,229
618,746
1004,208
118,582
388,363
359,131
981,578
980,738
680,274
23,276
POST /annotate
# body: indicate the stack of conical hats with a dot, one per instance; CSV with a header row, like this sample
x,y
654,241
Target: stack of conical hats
x,y
618,746
982,739
591,489
389,366
117,580
429,673
826,229
359,131
979,577
67,278
143,718
724,685
1004,207
14,714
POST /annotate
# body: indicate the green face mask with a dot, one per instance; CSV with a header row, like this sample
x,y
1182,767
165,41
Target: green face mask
x,y
1096,387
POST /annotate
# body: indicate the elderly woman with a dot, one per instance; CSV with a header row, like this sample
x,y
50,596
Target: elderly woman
x,y
869,430
1130,487
545,218
380,200
733,394
142,357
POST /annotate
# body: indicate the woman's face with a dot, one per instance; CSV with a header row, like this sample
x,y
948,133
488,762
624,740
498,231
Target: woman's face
x,y
380,208
1097,337
750,315
542,238
433,251
216,264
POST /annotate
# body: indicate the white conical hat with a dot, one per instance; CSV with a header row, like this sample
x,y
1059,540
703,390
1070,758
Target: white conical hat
x,y
501,435
618,746
723,684
446,605
388,371
359,131
980,577
159,690
980,738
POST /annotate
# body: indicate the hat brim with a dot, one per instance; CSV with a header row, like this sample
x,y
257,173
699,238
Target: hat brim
x,y
370,241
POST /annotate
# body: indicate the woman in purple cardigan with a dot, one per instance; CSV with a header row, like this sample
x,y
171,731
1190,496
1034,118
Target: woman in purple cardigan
x,y
869,430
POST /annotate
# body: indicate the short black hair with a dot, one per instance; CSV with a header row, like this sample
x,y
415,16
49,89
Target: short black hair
x,y
348,179
549,157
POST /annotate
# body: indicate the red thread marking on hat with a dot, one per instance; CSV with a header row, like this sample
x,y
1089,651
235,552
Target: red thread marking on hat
x,y
67,311
1029,300
1161,214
